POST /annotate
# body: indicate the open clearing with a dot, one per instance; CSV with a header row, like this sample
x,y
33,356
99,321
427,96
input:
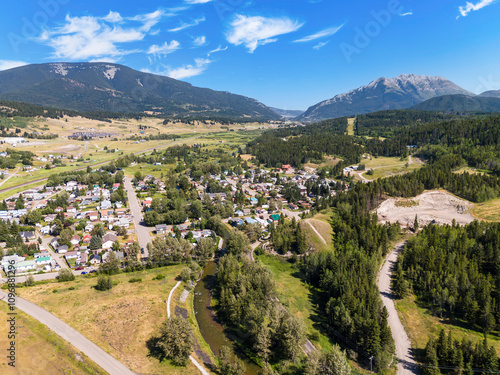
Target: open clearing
x,y
121,320
488,211
387,166
321,223
295,295
350,126
439,207
420,324
41,351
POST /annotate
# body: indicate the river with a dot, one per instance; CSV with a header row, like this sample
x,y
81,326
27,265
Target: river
x,y
210,327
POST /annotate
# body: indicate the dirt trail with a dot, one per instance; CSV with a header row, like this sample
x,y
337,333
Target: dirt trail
x,y
404,353
191,358
317,233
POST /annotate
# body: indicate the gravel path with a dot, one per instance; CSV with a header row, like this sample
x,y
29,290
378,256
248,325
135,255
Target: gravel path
x,y
406,362
191,358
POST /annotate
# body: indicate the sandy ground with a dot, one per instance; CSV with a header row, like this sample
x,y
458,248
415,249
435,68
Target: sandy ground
x,y
432,206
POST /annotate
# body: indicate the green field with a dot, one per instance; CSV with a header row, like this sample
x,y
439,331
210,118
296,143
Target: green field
x,y
296,296
489,211
420,324
387,166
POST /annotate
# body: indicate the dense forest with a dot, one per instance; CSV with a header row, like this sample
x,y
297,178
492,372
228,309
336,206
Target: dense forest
x,y
456,272
345,277
386,123
247,301
450,356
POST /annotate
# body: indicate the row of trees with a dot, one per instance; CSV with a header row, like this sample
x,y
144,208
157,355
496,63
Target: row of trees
x,y
462,357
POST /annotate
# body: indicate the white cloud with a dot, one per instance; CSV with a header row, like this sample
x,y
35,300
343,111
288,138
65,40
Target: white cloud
x,y
165,49
113,17
91,38
257,31
469,7
322,34
149,19
187,71
200,41
410,13
9,64
185,25
218,49
320,45
197,1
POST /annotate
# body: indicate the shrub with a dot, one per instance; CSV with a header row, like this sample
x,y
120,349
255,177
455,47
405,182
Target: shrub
x,y
135,280
104,283
65,275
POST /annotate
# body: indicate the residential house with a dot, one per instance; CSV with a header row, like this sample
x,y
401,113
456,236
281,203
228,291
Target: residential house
x,y
8,259
161,229
95,259
75,240
25,266
108,239
41,261
62,249
93,215
26,236
86,239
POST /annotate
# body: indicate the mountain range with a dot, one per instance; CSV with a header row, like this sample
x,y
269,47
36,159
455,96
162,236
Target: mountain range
x,y
107,87
461,103
400,92
116,88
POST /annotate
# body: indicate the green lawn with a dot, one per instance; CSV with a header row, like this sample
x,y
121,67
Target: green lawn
x,y
296,295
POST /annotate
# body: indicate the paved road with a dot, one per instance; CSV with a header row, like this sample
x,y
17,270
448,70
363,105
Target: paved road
x,y
91,350
141,230
406,362
57,257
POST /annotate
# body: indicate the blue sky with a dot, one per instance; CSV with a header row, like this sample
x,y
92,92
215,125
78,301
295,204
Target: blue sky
x,y
289,54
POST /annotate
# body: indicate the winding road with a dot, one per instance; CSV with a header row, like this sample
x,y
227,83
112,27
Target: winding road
x,y
91,350
404,353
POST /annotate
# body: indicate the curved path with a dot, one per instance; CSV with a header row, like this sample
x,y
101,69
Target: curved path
x,y
406,362
191,358
91,350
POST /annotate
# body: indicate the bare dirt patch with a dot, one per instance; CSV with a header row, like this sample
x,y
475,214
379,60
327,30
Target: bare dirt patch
x,y
437,207
247,157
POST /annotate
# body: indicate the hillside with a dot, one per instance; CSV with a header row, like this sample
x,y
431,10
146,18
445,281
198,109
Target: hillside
x,y
287,113
491,94
117,88
460,103
400,92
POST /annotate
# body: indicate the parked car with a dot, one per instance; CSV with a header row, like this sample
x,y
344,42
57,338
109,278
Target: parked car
x,y
142,251
92,271
84,273
79,268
